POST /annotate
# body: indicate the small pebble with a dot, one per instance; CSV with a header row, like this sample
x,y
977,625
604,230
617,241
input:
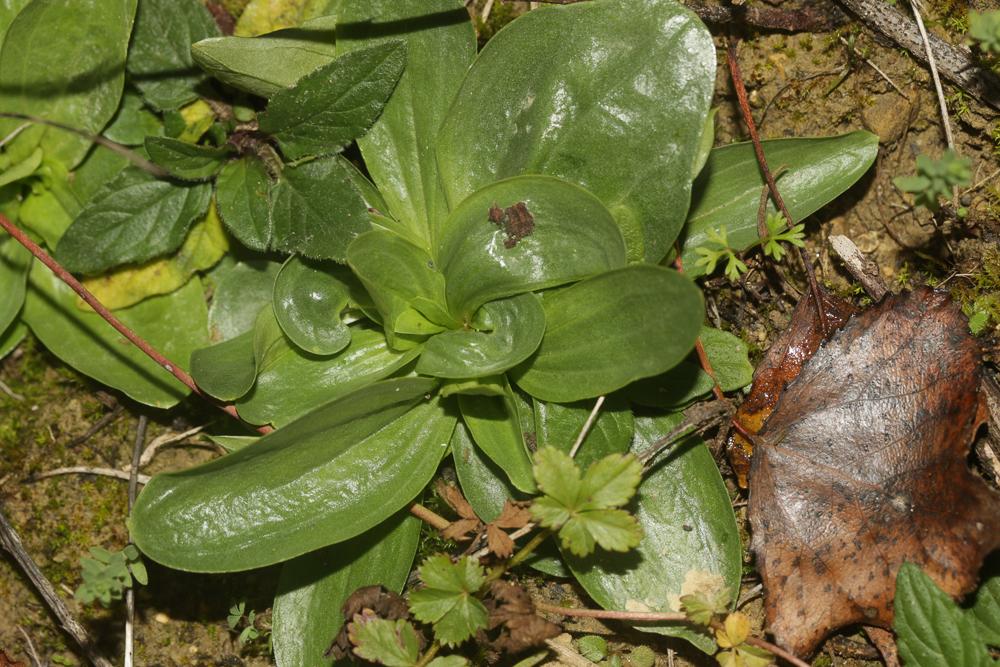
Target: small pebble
x,y
161,618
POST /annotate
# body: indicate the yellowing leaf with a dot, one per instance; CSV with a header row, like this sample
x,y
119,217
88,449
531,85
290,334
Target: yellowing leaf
x,y
261,16
198,117
734,632
205,245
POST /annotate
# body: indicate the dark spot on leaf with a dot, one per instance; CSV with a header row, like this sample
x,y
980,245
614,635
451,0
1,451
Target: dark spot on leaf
x,y
516,222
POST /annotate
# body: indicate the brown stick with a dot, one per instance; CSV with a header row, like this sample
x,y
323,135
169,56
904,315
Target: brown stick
x,y
11,542
429,517
741,96
110,318
954,62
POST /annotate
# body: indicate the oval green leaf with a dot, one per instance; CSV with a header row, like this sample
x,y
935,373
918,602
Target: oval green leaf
x,y
312,589
503,334
189,162
266,64
688,527
317,210
240,291
241,192
175,324
727,192
335,104
609,95
308,301
292,382
15,261
558,425
133,218
226,370
325,478
524,234
399,148
495,426
607,331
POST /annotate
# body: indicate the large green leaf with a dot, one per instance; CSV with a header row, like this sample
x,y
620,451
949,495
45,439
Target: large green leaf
x,y
159,58
54,65
558,425
688,527
293,382
399,149
8,10
175,324
549,232
605,332
134,218
337,103
266,64
226,370
308,301
312,589
930,628
503,334
402,281
610,95
727,192
495,426
329,476
686,381
317,210
15,261
240,292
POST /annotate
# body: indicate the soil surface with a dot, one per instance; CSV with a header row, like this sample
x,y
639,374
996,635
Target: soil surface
x,y
800,84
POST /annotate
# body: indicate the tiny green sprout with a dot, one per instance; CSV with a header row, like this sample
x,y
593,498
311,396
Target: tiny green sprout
x,y
936,178
109,573
718,248
238,615
984,29
779,232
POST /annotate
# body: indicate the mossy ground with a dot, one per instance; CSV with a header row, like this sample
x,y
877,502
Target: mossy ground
x,y
800,85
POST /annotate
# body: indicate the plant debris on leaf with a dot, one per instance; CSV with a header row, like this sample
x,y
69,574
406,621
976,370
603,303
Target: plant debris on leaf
x,y
511,609
862,467
374,601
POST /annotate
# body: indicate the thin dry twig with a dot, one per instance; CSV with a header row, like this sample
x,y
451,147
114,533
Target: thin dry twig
x,y
32,653
11,542
875,67
140,442
91,470
10,392
932,64
591,418
860,267
567,655
165,440
430,517
98,426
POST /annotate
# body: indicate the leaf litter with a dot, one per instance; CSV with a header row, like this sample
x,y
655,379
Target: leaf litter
x,y
861,463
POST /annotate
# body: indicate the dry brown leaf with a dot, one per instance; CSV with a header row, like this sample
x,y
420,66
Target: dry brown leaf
x,y
515,514
498,541
862,466
463,529
375,601
511,609
451,495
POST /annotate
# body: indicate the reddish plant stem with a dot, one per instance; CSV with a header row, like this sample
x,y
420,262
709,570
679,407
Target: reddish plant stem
x,y
182,376
699,349
772,186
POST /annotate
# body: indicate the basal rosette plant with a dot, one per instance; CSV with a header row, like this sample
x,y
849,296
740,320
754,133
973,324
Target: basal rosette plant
x,y
496,254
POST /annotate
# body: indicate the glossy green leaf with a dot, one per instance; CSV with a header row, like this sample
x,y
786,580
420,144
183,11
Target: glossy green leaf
x,y
308,301
503,334
609,95
686,381
399,149
51,65
12,337
189,162
930,628
986,610
610,330
241,191
175,324
727,192
688,525
22,169
266,64
15,261
496,428
316,210
294,381
133,122
134,218
226,370
335,104
558,425
159,58
313,588
569,235
242,290
402,281
327,477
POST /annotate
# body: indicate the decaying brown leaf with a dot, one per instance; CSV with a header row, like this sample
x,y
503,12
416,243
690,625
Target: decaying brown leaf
x,y
511,609
862,466
781,364
375,601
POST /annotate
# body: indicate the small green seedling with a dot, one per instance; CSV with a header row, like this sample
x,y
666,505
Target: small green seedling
x,y
718,246
984,29
109,573
935,179
238,616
